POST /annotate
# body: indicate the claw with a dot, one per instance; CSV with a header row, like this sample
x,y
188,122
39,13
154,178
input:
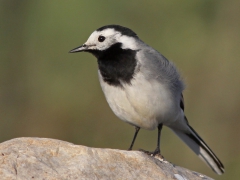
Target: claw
x,y
154,153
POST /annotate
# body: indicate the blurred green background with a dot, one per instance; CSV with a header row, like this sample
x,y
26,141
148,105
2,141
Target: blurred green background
x,y
47,92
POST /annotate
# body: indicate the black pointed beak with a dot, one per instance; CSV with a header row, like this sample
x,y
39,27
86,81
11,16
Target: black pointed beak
x,y
79,49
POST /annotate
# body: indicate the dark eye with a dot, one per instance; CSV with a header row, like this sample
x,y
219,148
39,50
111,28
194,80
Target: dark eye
x,y
101,38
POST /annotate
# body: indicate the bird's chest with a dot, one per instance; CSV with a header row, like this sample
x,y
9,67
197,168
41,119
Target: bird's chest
x,y
141,103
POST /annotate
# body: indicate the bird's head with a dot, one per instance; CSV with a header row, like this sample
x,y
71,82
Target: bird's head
x,y
105,37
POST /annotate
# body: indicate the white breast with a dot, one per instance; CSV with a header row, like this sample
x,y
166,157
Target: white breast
x,y
143,103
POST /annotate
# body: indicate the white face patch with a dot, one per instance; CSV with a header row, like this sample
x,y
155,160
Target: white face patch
x,y
128,42
111,37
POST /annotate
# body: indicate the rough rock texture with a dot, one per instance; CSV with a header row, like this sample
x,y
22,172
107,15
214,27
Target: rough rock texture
x,y
50,159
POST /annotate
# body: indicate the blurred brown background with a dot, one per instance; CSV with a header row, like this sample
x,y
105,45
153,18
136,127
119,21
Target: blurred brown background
x,y
47,92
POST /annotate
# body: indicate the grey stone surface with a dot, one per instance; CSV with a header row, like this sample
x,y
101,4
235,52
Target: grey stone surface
x,y
50,159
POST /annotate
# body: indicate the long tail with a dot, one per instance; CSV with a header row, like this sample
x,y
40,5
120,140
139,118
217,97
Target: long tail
x,y
195,142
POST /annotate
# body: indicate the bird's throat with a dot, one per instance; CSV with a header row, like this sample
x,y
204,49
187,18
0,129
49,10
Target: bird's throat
x,y
117,65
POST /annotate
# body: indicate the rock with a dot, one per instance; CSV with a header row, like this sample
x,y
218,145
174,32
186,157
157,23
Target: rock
x,y
50,159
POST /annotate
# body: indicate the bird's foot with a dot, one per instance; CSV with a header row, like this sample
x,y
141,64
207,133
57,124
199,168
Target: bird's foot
x,y
156,153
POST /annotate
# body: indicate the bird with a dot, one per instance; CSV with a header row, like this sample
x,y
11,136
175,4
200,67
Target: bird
x,y
143,88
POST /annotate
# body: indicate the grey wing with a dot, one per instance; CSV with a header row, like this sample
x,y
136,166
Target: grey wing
x,y
158,67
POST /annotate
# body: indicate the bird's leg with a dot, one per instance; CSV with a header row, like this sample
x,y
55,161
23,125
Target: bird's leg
x,y
134,137
157,150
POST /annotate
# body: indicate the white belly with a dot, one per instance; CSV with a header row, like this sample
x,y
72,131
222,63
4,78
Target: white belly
x,y
144,104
